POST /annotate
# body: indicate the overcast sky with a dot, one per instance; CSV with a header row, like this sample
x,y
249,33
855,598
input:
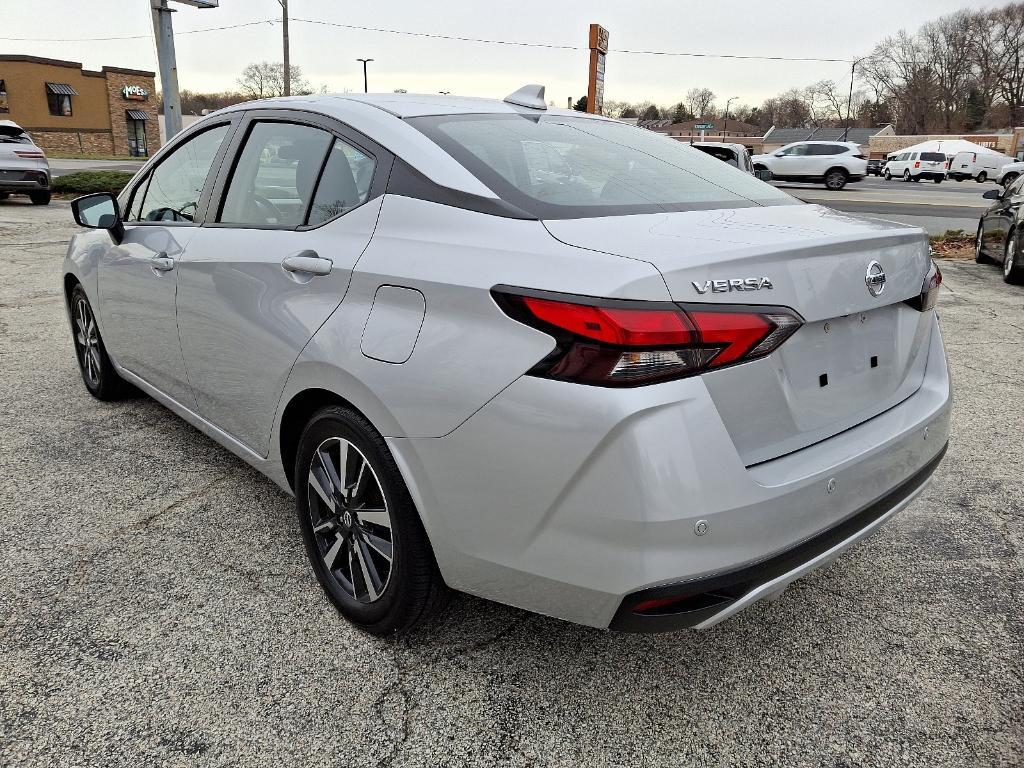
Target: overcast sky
x,y
212,60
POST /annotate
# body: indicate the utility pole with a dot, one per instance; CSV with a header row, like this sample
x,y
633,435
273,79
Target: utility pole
x,y
163,31
287,54
849,102
727,103
366,87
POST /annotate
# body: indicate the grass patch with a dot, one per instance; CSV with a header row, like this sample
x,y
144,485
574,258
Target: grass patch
x,y
953,244
87,182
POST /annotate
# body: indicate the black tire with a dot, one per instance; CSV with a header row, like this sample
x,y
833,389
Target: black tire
x,y
413,588
937,180
980,256
39,198
1013,263
906,175
4,195
835,179
1009,179
94,364
982,178
888,175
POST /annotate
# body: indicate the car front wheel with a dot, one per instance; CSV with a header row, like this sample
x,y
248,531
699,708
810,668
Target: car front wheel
x,y
1009,179
1013,269
835,179
98,372
888,176
363,535
979,247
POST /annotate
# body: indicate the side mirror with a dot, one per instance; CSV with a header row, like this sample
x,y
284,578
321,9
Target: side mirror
x,y
993,194
763,175
99,211
779,154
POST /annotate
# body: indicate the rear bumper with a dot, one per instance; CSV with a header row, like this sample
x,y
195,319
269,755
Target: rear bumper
x,y
704,602
24,179
570,501
928,175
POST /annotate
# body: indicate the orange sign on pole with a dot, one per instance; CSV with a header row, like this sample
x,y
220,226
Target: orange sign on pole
x,y
598,49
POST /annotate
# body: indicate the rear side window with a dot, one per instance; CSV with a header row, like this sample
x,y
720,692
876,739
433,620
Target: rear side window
x,y
828,149
173,189
344,184
556,166
272,182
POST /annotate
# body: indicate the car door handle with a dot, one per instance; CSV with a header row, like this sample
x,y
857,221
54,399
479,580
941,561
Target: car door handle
x,y
308,262
162,262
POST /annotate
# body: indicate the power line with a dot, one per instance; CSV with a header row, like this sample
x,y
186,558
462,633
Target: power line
x,y
132,37
557,46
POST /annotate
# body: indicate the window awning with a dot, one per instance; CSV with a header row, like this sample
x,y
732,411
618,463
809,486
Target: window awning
x,y
137,114
62,88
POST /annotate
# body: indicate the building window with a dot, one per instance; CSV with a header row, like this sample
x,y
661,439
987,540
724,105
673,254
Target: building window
x,y
4,106
58,96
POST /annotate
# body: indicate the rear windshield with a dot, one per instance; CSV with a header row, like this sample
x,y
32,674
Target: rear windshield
x,y
936,157
560,167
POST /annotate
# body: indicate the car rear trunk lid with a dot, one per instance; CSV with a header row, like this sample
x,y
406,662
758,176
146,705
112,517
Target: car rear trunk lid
x,y
858,353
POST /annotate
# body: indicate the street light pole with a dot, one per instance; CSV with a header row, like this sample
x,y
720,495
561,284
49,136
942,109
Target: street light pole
x,y
163,30
730,100
849,102
366,87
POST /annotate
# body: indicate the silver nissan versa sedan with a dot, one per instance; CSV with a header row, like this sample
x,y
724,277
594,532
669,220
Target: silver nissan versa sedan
x,y
531,354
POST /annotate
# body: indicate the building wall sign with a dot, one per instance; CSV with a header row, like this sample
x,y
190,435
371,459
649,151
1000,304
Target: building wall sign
x,y
598,49
135,93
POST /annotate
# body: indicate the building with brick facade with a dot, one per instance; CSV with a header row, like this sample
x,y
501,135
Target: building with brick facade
x,y
69,109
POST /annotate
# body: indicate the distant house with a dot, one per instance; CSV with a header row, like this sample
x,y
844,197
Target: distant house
x,y
780,137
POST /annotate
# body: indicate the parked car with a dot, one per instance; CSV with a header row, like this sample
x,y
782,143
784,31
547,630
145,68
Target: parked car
x,y
1009,173
735,155
1000,236
532,354
835,163
876,166
980,166
24,169
914,166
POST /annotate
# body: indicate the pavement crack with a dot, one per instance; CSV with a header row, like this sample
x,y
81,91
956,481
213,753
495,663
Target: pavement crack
x,y
199,493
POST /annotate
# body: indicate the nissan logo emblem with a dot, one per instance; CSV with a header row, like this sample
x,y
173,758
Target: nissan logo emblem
x,y
875,278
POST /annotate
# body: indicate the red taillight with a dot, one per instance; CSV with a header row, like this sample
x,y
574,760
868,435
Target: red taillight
x,y
34,154
929,295
917,164
628,343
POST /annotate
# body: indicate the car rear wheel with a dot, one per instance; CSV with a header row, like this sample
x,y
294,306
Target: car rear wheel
x,y
39,198
982,177
363,535
835,179
98,372
1013,269
937,180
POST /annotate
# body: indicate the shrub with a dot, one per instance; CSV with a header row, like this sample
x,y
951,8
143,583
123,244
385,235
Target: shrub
x,y
86,182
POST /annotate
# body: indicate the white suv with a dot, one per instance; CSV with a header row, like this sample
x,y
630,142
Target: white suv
x,y
833,162
914,166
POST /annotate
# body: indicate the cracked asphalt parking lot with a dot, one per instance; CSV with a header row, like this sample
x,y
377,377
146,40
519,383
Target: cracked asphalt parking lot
x,y
156,607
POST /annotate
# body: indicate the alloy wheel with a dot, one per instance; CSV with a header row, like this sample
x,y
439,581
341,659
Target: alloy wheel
x,y
1010,257
87,342
906,175
350,520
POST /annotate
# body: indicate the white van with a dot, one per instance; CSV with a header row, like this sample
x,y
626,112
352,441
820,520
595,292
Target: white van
x,y
914,166
980,166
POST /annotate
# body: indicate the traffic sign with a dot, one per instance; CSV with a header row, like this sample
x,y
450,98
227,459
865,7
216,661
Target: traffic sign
x,y
705,126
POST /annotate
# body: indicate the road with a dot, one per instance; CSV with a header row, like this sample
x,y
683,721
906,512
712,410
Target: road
x,y
156,607
934,207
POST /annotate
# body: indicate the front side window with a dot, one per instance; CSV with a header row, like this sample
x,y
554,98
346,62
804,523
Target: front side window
x,y
566,167
275,176
60,104
174,187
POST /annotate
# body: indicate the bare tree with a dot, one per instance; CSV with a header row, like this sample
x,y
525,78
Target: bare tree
x,y
699,100
1008,39
946,43
265,79
901,67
